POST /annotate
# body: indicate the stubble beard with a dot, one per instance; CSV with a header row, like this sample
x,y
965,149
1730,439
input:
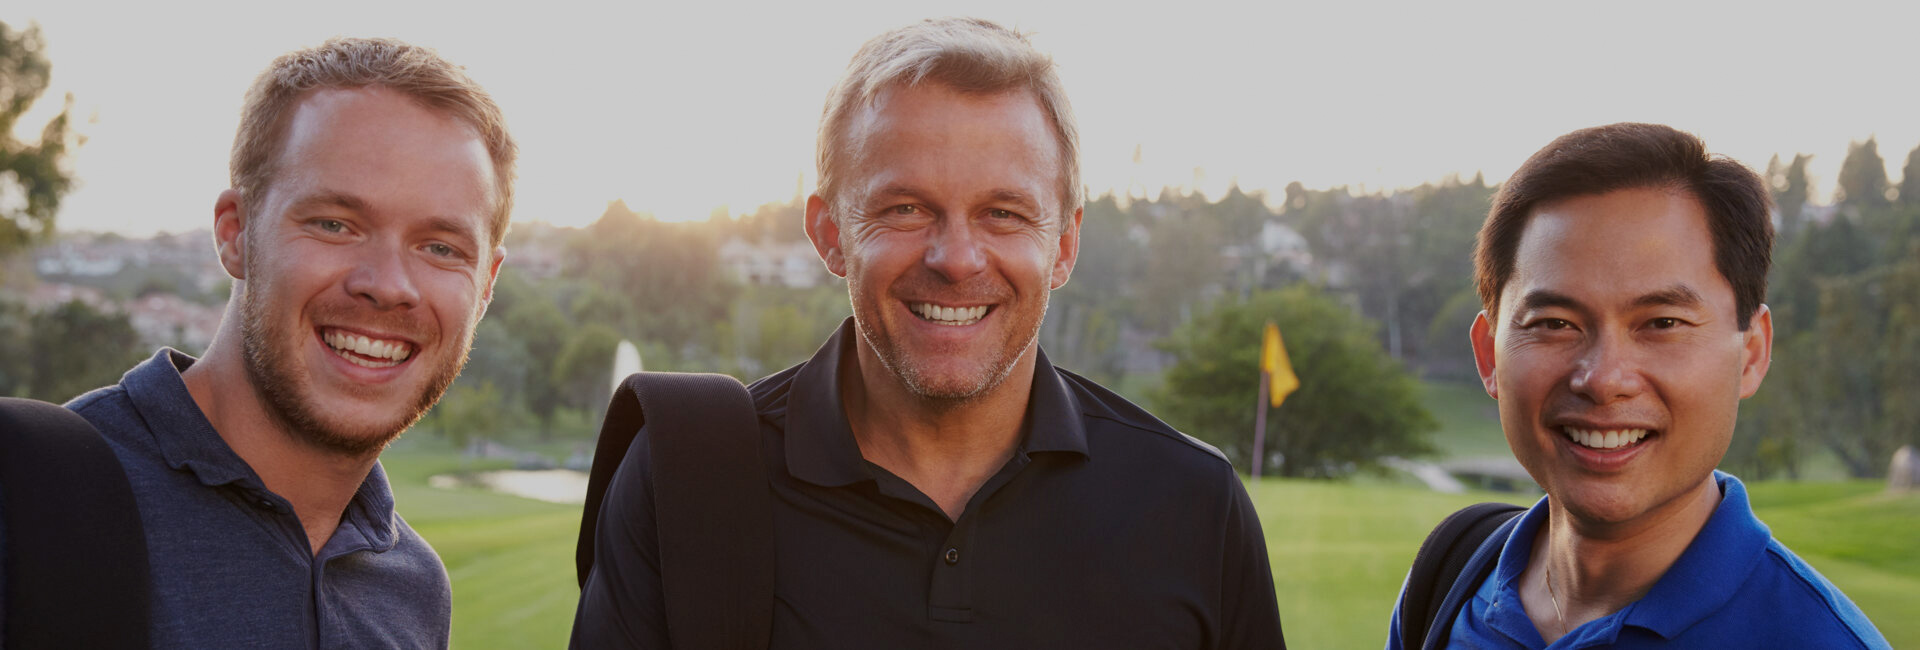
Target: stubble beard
x,y
287,394
900,362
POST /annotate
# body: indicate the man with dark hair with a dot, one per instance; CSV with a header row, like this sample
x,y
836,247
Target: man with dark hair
x,y
371,183
935,481
1623,272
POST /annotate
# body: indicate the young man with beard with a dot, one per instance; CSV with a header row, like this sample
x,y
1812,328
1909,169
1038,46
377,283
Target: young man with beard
x,y
1623,271
936,482
371,187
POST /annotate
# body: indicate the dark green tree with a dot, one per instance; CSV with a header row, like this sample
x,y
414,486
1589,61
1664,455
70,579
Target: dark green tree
x,y
1355,404
583,371
1863,176
76,348
1910,180
35,172
1791,189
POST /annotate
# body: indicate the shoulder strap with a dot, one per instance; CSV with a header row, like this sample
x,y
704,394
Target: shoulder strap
x,y
76,554
1442,557
712,508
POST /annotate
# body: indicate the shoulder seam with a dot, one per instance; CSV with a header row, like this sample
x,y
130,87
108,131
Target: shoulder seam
x,y
1813,585
1169,432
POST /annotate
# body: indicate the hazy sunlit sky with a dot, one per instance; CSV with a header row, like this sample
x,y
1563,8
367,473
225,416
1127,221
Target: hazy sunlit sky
x,y
679,108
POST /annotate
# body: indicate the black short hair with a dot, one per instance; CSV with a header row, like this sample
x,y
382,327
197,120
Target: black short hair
x,y
1630,155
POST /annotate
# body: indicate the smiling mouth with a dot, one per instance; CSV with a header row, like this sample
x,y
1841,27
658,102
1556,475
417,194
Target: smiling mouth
x,y
1605,439
955,316
367,352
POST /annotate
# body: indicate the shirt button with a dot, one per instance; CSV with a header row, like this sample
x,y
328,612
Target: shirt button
x,y
953,556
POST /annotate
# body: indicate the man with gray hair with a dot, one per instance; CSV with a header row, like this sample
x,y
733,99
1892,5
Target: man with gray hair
x,y
371,183
935,481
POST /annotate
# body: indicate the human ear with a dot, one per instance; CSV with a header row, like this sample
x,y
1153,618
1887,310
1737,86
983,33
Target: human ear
x,y
1482,337
1069,249
1756,351
825,235
230,233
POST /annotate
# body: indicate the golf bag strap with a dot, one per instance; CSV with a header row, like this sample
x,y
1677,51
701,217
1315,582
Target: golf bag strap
x,y
712,507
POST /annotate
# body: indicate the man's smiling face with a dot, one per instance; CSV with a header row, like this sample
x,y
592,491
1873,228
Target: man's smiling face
x,y
1616,355
950,234
366,266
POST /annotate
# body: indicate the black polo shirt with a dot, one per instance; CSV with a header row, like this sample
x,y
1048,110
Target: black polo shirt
x,y
1106,529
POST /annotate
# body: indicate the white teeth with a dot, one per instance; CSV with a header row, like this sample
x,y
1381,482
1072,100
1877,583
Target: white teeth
x,y
1604,439
387,353
949,315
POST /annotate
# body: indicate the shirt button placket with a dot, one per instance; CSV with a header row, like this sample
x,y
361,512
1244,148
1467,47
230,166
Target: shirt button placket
x,y
950,601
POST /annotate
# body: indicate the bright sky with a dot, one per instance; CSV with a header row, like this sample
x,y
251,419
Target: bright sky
x,y
682,107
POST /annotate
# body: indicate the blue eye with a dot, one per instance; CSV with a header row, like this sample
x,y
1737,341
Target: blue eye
x,y
332,225
441,250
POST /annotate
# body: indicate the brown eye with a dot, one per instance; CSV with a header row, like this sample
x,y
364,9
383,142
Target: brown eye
x,y
1664,323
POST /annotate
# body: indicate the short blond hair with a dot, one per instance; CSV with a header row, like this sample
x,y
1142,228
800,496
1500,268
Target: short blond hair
x,y
969,55
416,72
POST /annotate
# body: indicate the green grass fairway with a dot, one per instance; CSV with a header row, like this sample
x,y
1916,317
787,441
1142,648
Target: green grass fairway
x,y
1339,551
1469,420
511,559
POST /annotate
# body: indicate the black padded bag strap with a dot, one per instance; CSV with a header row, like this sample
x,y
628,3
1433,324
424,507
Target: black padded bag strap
x,y
1439,563
76,554
712,508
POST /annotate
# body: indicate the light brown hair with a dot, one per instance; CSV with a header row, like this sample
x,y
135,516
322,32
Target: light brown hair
x,y
416,72
966,54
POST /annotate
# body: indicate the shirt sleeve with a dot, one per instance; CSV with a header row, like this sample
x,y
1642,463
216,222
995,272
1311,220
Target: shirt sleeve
x,y
1250,615
621,604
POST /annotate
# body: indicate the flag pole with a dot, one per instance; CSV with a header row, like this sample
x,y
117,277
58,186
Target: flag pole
x,y
1260,424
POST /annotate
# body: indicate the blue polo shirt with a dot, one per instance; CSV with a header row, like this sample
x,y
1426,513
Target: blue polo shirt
x,y
231,562
1734,587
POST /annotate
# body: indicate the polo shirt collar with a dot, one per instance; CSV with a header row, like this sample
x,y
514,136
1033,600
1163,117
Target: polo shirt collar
x,y
1701,581
182,433
1709,573
188,442
820,448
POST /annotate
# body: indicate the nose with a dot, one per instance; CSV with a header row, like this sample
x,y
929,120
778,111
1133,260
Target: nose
x,y
955,251
381,277
1609,371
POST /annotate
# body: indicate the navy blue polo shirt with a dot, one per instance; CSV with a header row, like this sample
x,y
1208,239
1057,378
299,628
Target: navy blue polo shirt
x,y
1734,587
1105,529
232,567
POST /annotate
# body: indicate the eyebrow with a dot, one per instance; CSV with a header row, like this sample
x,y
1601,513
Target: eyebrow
x,y
1544,299
1678,295
456,228
997,195
332,198
446,225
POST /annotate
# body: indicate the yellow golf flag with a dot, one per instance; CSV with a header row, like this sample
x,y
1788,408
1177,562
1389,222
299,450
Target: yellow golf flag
x,y
1273,361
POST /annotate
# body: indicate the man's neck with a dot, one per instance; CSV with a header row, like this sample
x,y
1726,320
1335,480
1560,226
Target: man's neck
x,y
1599,568
316,482
947,449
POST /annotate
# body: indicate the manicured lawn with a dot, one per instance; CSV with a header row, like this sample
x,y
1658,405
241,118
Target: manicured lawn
x,y
1469,420
1339,551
